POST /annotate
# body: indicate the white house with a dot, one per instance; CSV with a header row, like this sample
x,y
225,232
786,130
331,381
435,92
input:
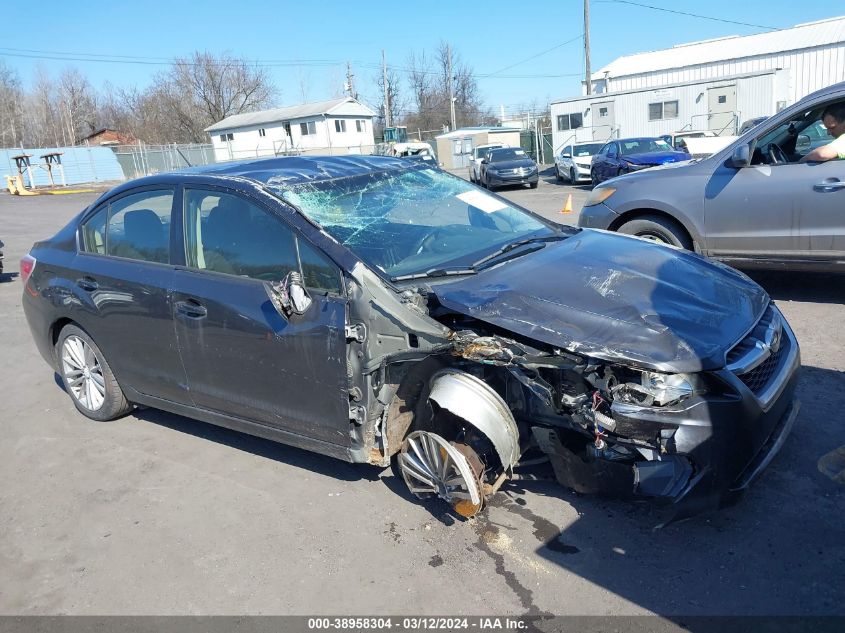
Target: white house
x,y
712,85
339,126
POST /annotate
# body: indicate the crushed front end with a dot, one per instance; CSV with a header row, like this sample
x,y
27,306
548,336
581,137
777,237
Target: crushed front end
x,y
691,442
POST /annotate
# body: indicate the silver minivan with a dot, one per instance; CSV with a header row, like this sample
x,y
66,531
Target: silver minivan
x,y
753,204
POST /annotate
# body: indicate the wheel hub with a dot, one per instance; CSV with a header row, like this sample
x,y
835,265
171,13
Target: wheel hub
x,y
431,466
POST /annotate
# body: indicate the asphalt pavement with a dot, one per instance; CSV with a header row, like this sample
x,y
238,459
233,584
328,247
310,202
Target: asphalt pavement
x,y
160,514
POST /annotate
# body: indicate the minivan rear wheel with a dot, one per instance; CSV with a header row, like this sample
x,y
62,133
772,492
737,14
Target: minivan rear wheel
x,y
88,378
657,229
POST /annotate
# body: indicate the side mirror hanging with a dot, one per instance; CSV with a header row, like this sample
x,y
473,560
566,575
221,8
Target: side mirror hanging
x,y
288,296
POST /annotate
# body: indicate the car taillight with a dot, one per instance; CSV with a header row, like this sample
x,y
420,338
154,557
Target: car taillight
x,y
27,266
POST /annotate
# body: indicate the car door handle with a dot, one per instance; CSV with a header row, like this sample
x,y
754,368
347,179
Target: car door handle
x,y
829,185
191,309
87,283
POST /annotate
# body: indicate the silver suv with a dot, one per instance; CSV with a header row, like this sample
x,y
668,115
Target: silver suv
x,y
753,204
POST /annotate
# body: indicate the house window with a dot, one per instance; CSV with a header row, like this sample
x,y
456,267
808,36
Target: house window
x,y
307,128
662,110
262,132
360,125
602,112
569,121
227,137
339,125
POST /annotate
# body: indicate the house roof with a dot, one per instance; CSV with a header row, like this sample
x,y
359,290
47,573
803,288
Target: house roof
x,y
811,34
344,106
466,131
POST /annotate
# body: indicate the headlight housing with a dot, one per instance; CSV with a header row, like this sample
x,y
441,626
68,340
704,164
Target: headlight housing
x,y
599,195
666,388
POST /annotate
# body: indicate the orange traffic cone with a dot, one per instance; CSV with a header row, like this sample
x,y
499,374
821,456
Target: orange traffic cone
x,y
567,208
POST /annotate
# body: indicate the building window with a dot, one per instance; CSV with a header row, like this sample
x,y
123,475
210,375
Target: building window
x,y
339,125
569,121
307,128
227,137
602,112
262,132
662,110
360,125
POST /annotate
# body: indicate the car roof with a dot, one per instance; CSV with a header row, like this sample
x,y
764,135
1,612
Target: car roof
x,y
294,170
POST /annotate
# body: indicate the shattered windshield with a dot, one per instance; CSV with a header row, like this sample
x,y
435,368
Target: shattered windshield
x,y
409,222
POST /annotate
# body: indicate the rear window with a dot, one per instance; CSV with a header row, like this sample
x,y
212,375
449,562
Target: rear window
x,y
136,226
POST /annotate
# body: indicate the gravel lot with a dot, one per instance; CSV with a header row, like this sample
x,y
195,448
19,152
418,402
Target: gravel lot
x,y
159,514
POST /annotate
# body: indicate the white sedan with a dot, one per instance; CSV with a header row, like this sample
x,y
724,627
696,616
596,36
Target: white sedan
x,y
573,161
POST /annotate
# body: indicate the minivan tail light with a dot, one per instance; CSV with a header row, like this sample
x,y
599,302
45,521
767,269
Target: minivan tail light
x,y
27,266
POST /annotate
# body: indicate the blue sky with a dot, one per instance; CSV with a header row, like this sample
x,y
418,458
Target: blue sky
x,y
488,34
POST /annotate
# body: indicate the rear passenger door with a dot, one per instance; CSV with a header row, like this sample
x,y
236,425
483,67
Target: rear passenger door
x,y
241,356
123,275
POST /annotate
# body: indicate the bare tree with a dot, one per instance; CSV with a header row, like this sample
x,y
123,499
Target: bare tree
x,y
205,89
42,125
11,114
429,87
77,104
394,92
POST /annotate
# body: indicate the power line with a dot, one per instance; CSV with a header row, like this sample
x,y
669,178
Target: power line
x,y
528,59
691,15
270,63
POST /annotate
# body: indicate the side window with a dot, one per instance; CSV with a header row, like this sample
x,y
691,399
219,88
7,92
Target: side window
x,y
226,233
94,232
135,227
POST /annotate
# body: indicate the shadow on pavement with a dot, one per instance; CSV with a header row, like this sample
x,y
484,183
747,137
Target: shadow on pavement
x,y
779,551
801,286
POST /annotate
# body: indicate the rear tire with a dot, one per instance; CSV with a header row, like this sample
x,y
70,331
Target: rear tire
x,y
88,378
557,174
658,229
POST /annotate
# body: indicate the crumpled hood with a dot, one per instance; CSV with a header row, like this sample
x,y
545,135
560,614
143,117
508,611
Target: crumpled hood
x,y
656,158
616,298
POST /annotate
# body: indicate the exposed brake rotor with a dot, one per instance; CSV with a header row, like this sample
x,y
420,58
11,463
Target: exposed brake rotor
x,y
431,466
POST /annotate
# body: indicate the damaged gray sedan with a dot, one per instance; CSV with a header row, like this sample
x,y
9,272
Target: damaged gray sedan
x,y
375,310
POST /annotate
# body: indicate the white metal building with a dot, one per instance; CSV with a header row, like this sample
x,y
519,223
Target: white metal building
x,y
339,126
711,85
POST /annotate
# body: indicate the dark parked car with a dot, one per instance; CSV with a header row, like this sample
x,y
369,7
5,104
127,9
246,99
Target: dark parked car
x,y
1,256
508,166
752,204
628,155
368,308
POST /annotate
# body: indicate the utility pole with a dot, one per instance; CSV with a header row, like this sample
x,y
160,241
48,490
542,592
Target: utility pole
x,y
386,90
451,94
587,72
350,86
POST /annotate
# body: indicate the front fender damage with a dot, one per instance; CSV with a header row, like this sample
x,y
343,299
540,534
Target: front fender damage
x,y
497,398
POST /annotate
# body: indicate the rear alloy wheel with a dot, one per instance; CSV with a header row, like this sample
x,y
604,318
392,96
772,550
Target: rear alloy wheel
x,y
87,377
658,229
433,467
